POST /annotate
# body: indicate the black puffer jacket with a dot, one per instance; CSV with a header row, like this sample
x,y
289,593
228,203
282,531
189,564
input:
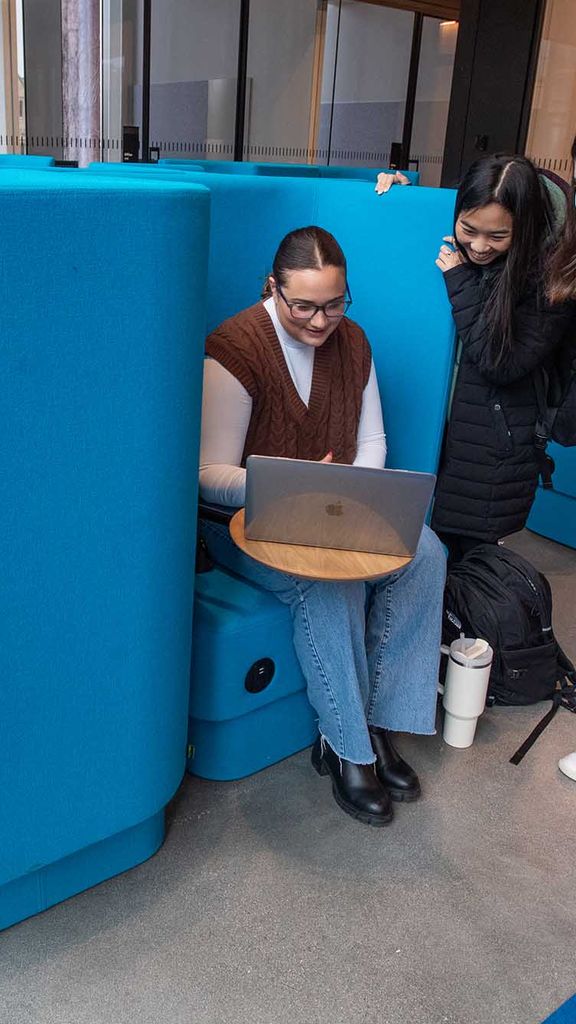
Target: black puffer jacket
x,y
489,467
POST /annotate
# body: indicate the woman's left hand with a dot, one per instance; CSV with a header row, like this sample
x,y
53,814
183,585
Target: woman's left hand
x,y
385,181
448,258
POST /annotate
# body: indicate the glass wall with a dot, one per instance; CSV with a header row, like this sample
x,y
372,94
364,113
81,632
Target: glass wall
x,y
121,32
42,34
280,99
437,49
327,81
364,82
12,93
193,69
553,116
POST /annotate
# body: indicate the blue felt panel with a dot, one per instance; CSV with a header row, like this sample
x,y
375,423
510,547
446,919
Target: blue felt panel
x,y
565,1014
554,512
391,243
102,325
12,160
156,169
42,888
287,170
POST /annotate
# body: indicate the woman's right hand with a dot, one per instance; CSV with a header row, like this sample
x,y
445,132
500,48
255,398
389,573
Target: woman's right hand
x,y
448,258
327,458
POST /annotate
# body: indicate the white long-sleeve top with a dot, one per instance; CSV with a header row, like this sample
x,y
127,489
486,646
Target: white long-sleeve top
x,y
227,408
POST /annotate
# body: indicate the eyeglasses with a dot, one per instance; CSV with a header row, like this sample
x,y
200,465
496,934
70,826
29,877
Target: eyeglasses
x,y
300,310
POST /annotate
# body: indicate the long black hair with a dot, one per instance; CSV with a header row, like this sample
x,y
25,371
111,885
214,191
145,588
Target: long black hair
x,y
513,182
561,275
309,248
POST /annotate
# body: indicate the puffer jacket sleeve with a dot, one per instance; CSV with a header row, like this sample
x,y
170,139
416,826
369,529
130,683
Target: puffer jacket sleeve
x,y
538,327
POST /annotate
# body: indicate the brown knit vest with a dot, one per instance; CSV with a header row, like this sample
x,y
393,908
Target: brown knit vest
x,y
247,346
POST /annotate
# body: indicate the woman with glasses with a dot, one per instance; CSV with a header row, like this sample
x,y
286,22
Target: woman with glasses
x,y
292,376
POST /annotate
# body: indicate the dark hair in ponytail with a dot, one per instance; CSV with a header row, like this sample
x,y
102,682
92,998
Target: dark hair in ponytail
x,y
308,248
561,270
513,182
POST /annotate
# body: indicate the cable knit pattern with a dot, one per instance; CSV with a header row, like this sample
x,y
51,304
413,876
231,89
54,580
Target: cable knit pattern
x,y
281,424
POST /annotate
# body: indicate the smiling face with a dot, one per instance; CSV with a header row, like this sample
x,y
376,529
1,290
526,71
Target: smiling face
x,y
485,233
322,287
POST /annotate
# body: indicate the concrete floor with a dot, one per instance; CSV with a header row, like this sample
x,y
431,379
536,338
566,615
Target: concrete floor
x,y
267,905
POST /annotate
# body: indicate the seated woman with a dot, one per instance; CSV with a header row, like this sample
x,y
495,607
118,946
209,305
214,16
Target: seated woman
x,y
292,376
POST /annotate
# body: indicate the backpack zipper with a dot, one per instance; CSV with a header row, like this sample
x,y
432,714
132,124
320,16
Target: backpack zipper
x,y
527,579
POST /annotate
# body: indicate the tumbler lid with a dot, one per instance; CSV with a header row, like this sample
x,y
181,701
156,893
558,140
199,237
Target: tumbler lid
x,y
472,652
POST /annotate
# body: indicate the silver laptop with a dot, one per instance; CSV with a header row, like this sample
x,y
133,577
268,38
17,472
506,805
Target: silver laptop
x,y
327,505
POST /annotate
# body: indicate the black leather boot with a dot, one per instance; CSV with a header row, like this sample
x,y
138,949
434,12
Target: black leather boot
x,y
399,778
355,787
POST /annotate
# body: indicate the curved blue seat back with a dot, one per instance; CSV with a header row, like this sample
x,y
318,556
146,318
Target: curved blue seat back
x,y
391,243
102,324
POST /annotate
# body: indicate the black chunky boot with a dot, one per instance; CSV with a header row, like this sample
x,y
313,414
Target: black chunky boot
x,y
399,778
355,787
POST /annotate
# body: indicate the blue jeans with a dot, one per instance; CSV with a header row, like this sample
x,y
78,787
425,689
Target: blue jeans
x,y
369,652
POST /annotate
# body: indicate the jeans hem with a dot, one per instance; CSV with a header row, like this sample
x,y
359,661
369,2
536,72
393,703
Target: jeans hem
x,y
341,757
404,728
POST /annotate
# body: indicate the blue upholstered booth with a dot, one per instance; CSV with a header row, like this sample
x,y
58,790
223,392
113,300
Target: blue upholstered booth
x,y
25,162
102,322
399,298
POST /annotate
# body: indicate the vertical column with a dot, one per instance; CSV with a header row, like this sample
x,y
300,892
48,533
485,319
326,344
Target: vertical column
x,y
492,81
81,79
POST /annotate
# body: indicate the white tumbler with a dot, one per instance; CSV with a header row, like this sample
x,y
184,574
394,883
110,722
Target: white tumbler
x,y
465,689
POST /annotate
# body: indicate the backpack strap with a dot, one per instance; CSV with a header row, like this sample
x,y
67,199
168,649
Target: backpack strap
x,y
563,698
543,429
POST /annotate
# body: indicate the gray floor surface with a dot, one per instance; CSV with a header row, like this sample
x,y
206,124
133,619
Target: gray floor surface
x,y
268,905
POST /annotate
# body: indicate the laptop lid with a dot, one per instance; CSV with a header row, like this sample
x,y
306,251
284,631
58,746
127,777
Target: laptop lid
x,y
318,504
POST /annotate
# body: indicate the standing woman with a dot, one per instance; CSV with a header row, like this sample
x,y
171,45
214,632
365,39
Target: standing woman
x,y
292,376
493,271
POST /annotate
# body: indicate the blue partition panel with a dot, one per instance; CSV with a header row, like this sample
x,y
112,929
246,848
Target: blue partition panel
x,y
554,512
102,324
287,170
31,163
363,173
138,168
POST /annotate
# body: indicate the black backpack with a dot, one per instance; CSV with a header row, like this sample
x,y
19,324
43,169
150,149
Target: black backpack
x,y
496,594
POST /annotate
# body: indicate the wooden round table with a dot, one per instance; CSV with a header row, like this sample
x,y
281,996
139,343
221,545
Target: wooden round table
x,y
315,563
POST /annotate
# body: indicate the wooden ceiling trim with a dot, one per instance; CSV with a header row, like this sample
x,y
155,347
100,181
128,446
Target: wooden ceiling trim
x,y
446,9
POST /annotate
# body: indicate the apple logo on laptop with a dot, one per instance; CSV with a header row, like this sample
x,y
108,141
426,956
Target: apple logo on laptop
x,y
335,509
